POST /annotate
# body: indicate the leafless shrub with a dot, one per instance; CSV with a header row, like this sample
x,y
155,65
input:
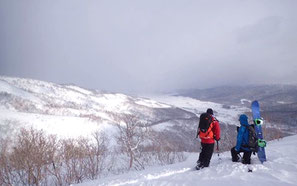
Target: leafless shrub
x,y
6,174
95,154
163,150
38,159
132,133
32,151
82,158
73,155
143,146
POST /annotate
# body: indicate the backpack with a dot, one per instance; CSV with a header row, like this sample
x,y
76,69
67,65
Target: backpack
x,y
253,140
205,126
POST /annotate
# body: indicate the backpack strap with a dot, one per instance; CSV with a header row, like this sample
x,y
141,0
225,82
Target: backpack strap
x,y
245,129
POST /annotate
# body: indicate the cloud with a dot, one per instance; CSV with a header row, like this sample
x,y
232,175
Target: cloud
x,y
149,45
262,29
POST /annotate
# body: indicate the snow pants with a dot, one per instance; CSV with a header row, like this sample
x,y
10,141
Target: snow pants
x,y
205,154
246,156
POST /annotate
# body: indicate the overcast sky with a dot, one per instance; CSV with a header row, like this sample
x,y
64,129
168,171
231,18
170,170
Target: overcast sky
x,y
149,45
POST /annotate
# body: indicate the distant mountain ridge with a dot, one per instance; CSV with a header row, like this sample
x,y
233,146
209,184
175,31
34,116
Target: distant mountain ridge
x,y
278,102
33,96
267,94
71,111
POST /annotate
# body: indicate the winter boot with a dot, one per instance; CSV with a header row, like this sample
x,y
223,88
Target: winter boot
x,y
200,166
235,155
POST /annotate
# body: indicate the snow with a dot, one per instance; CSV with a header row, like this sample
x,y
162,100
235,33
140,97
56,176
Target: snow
x,y
223,114
65,110
6,87
112,102
151,103
81,90
164,126
283,102
280,170
245,100
63,126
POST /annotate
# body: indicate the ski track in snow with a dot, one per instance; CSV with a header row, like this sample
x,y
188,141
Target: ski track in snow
x,y
280,169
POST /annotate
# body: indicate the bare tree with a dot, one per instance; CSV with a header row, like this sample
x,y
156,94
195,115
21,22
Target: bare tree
x,y
38,159
164,150
29,156
72,156
96,153
6,172
132,133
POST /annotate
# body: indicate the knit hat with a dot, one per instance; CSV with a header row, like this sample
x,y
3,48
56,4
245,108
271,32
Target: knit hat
x,y
209,111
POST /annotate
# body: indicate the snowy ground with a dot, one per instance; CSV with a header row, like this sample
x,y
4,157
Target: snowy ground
x,y
63,126
280,170
228,115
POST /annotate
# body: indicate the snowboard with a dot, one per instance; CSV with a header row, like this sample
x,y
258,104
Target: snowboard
x,y
258,121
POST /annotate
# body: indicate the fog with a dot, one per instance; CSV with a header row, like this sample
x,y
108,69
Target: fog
x,y
150,45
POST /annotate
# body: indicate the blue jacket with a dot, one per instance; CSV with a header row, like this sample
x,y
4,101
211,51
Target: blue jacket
x,y
243,134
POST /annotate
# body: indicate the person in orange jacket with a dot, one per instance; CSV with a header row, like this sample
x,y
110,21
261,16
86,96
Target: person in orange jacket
x,y
208,141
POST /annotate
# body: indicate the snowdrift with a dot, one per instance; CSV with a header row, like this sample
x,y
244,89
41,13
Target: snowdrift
x,y
280,169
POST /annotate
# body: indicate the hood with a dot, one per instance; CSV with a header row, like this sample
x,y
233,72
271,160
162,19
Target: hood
x,y
243,120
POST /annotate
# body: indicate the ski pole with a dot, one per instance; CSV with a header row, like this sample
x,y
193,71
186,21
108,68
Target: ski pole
x,y
218,147
218,150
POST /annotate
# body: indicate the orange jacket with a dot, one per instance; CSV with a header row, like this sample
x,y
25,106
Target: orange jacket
x,y
216,132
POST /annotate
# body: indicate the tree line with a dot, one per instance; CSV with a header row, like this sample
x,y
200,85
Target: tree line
x,y
33,157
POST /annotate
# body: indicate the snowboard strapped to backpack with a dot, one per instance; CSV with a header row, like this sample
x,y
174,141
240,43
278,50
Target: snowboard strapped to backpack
x,y
205,126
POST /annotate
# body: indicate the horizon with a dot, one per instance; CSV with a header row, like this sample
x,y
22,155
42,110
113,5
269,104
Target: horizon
x,y
157,92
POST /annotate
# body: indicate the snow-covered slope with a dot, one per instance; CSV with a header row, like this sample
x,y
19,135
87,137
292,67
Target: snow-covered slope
x,y
225,114
72,111
279,170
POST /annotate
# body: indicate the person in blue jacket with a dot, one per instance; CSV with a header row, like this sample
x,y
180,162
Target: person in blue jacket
x,y
242,142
